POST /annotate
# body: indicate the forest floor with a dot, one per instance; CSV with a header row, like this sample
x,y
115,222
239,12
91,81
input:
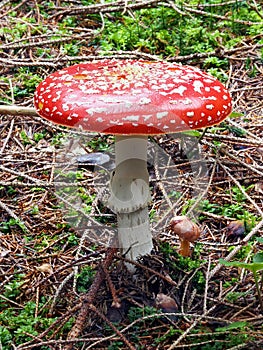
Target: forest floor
x,y
59,281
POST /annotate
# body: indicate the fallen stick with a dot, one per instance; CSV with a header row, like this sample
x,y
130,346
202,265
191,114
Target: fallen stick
x,y
17,110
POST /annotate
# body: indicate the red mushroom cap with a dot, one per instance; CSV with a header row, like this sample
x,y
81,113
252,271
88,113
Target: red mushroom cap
x,y
132,97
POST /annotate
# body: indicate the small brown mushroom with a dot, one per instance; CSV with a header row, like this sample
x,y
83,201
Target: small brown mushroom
x,y
167,304
235,229
187,231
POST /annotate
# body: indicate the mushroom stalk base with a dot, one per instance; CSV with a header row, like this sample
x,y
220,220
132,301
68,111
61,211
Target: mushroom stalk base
x,y
185,248
135,239
130,196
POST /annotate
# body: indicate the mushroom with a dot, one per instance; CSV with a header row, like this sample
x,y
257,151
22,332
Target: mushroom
x,y
132,99
167,304
187,231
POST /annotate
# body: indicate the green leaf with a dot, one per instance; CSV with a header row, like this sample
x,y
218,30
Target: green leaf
x,y
258,258
233,325
259,239
193,133
235,115
254,267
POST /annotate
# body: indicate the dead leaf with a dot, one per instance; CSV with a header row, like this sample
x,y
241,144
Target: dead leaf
x,y
46,268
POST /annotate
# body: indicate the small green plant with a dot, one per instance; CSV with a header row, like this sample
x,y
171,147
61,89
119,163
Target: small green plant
x,y
182,263
21,325
237,194
230,282
215,62
152,215
73,239
170,334
39,136
234,297
85,278
233,210
138,312
115,345
100,143
12,289
25,138
58,139
255,266
38,189
25,82
34,210
10,190
225,337
233,325
11,224
218,73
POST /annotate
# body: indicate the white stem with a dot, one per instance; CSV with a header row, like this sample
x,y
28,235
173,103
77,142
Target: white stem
x,y
130,195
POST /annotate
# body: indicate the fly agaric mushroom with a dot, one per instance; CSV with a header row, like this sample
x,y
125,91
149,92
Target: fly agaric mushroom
x,y
187,231
132,99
